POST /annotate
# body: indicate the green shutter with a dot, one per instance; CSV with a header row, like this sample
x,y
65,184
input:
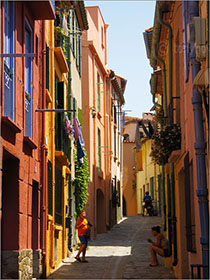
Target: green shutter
x,y
50,184
47,68
58,196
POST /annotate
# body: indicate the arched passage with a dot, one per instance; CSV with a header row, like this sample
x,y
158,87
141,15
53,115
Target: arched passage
x,y
100,212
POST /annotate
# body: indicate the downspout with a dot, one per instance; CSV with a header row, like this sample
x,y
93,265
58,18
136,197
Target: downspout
x,y
175,261
154,58
202,191
44,160
70,142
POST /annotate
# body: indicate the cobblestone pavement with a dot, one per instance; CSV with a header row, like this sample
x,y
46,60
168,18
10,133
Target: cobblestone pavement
x,y
121,253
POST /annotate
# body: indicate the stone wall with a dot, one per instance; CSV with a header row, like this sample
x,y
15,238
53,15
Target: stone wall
x,y
24,264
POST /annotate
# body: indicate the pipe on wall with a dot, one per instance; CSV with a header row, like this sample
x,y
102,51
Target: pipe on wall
x,y
44,160
173,216
202,191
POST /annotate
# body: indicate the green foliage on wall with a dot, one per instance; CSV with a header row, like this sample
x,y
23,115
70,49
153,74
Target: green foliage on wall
x,y
164,141
81,182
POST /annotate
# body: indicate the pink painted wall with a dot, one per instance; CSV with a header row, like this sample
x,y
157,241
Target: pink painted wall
x,y
90,70
18,206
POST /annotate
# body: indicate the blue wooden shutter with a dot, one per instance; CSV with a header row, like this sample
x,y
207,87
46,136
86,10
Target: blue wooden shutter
x,y
9,62
28,81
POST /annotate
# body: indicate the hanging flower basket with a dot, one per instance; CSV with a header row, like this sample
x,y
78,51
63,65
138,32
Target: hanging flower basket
x,y
165,141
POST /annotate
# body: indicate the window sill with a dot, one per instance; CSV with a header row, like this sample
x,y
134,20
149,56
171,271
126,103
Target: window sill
x,y
9,122
99,116
30,142
62,158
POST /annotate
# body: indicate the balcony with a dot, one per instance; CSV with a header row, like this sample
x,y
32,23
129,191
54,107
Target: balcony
x,y
42,10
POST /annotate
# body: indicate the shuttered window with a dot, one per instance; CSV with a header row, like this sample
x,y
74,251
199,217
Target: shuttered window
x,y
152,186
58,196
28,81
50,184
189,205
139,158
9,62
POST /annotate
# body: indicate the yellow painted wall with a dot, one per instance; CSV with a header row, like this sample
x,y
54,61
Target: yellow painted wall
x,y
149,169
60,231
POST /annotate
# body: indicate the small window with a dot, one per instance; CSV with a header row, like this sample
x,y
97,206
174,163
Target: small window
x,y
102,37
98,92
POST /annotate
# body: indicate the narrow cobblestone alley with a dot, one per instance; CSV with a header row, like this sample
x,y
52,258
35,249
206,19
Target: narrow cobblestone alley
x,y
121,253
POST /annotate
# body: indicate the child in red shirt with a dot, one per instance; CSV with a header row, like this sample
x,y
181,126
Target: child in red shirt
x,y
82,225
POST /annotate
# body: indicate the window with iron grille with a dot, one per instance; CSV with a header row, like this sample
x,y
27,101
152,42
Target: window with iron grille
x,y
58,196
50,184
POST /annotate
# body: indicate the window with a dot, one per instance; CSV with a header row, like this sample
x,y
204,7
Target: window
x,y
99,151
58,196
102,37
98,92
28,80
9,61
126,137
115,143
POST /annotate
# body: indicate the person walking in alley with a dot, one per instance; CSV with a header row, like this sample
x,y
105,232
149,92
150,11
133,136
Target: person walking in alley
x,y
160,247
82,225
148,204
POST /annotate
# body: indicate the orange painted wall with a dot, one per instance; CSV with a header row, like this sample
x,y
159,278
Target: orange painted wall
x,y
129,177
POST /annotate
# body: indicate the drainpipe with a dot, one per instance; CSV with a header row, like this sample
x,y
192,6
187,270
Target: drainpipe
x,y
169,57
202,191
70,234
44,161
171,118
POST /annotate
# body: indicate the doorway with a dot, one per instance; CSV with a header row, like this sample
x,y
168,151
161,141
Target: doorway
x,y
10,217
100,212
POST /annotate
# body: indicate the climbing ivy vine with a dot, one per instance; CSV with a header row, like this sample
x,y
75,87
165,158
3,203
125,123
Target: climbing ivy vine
x,y
81,183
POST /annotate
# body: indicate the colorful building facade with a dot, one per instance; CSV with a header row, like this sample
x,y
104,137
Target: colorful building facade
x,y
101,125
23,147
184,103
